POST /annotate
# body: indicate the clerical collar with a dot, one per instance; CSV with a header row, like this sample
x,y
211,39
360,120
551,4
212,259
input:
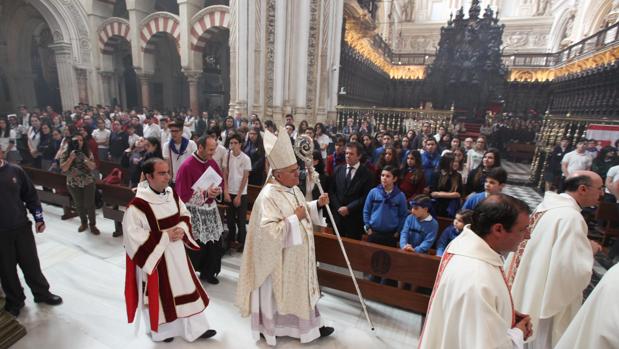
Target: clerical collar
x,y
198,157
157,192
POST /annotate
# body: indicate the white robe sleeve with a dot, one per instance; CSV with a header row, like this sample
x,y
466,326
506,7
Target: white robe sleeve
x,y
315,216
143,247
517,337
292,232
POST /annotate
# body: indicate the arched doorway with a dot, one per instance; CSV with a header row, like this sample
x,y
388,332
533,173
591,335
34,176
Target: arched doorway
x,y
168,85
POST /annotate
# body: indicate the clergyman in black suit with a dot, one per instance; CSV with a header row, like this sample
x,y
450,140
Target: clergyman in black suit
x,y
350,185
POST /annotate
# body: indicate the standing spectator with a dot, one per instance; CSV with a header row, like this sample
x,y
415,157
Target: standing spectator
x,y
387,141
177,149
387,158
132,137
303,126
552,174
420,228
228,128
349,128
385,210
165,132
606,158
34,137
368,147
454,145
322,138
119,142
200,125
17,245
592,149
430,159
440,133
446,188
338,157
151,129
419,140
468,145
77,164
413,180
365,128
576,160
477,177
46,147
135,157
475,155
102,136
8,142
254,148
463,217
349,188
236,170
494,184
406,143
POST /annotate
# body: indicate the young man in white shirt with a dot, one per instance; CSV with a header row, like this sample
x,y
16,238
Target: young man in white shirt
x,y
101,135
151,129
576,160
177,149
236,167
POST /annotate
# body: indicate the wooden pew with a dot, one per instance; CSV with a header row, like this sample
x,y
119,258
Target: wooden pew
x,y
59,194
608,212
105,167
416,269
114,197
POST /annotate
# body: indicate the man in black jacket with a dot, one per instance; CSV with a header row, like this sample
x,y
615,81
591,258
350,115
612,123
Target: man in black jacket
x,y
350,185
17,245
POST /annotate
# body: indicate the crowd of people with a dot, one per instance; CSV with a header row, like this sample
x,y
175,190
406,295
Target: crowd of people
x,y
383,186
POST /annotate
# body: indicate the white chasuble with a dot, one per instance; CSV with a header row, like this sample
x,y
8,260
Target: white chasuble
x,y
597,323
470,306
173,294
278,284
554,269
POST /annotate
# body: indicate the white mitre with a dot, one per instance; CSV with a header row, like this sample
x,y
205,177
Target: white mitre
x,y
279,149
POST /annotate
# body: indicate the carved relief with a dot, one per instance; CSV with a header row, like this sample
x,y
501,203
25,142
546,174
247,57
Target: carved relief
x,y
312,52
270,52
423,43
517,39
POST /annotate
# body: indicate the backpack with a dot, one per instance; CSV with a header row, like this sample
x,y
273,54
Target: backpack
x,y
114,177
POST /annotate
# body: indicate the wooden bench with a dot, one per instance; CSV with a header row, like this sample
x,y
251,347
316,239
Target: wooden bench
x,y
608,212
114,197
520,151
415,269
58,184
105,167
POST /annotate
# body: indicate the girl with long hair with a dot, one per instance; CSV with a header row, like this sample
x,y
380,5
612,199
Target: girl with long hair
x,y
413,181
446,188
477,177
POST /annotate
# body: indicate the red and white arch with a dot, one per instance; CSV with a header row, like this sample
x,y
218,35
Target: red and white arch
x,y
211,18
160,22
110,32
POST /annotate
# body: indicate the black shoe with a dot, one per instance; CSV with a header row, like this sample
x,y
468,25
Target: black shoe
x,y
211,279
117,234
326,331
208,334
50,299
168,340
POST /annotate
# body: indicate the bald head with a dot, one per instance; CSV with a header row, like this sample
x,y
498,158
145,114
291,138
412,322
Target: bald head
x,y
586,187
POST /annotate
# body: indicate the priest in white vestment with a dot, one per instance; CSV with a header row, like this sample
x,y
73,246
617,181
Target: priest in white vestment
x,y
596,324
278,285
471,306
160,281
551,271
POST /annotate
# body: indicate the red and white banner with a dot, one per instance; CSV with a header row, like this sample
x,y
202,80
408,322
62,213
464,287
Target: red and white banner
x,y
607,134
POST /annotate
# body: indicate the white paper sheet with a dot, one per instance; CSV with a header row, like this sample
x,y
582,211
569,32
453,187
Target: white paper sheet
x,y
208,178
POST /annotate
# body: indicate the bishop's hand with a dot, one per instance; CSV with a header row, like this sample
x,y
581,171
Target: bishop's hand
x,y
300,212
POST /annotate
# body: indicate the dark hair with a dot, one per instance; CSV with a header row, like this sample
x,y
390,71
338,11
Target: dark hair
x,y
340,139
231,136
382,161
269,124
358,147
392,169
148,166
467,215
178,124
202,140
497,209
573,183
498,173
421,200
430,139
157,143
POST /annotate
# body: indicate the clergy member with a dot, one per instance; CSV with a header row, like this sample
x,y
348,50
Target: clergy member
x,y
551,270
278,285
205,216
595,324
470,306
157,230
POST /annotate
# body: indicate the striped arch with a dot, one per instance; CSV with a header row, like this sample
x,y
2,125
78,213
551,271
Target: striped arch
x,y
159,22
217,16
110,32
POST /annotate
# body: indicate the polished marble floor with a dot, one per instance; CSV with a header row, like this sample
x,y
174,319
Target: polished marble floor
x,y
88,272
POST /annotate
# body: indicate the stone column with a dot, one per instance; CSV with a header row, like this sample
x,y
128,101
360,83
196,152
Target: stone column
x,y
106,88
66,75
145,89
193,77
233,42
82,85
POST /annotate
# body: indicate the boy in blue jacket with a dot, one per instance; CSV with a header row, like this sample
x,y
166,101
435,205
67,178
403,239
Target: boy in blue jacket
x,y
463,217
495,182
385,210
420,228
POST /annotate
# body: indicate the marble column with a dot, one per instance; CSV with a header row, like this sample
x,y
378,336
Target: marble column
x,y
233,41
193,77
82,85
145,89
66,75
106,88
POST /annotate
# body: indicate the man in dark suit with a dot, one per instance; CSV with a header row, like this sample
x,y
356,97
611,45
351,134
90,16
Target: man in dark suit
x,y
350,185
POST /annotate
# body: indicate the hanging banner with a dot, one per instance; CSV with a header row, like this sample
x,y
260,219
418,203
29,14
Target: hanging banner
x,y
606,134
